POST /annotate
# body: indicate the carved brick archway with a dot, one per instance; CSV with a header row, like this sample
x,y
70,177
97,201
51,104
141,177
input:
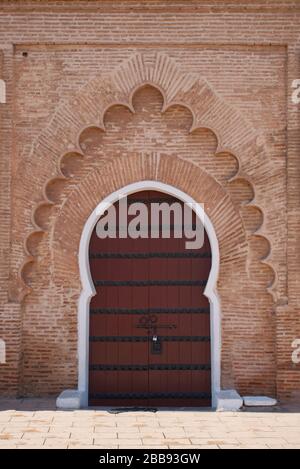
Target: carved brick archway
x,y
72,229
88,108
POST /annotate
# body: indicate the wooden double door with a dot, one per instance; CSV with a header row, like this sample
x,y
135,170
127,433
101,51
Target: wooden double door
x,y
149,341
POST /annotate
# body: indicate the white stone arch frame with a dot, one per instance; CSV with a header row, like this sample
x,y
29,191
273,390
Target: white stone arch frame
x,y
88,290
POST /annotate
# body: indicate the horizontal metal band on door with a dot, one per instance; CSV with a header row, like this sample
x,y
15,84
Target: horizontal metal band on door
x,y
150,283
142,338
151,395
148,367
150,311
150,255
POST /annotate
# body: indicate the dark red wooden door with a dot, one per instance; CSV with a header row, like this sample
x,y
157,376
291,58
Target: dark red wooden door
x,y
149,321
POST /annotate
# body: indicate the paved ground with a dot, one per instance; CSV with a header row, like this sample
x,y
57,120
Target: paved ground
x,y
34,423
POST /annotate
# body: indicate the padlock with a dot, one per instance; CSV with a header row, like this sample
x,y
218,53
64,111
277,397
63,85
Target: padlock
x,y
156,345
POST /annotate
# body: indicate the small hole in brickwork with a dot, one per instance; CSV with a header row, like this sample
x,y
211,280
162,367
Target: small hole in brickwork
x,y
25,54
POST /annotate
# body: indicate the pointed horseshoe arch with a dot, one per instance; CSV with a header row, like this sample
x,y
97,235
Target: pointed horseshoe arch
x,y
88,289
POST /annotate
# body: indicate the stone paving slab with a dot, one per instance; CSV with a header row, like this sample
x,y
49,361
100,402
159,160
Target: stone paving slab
x,y
36,423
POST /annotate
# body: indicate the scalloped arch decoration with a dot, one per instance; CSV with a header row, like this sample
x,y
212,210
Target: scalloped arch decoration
x,y
88,108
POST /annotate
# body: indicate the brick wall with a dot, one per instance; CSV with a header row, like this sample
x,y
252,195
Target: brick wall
x,y
75,71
